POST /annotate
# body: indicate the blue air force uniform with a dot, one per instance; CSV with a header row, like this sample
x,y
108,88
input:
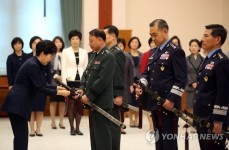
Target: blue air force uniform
x,y
166,73
212,95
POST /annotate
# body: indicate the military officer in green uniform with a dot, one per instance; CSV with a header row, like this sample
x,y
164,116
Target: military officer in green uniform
x,y
97,87
118,81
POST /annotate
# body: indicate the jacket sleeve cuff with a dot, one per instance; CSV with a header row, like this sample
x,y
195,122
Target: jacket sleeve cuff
x,y
174,98
219,113
218,118
175,94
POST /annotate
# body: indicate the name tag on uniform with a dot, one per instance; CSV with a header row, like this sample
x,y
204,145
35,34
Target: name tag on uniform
x,y
97,62
165,56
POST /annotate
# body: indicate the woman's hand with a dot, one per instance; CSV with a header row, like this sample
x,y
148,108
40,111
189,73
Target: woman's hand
x,y
63,92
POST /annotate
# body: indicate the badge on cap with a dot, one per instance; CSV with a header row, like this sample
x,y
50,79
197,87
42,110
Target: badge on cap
x,y
206,78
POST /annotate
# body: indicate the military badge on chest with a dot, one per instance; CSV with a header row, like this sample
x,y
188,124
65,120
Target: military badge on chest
x,y
164,56
209,67
97,62
162,68
205,78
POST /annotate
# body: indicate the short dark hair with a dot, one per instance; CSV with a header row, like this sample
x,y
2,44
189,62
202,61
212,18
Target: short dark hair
x,y
46,46
150,41
131,39
218,30
61,40
178,39
32,40
74,33
17,40
162,24
98,33
123,41
197,41
112,29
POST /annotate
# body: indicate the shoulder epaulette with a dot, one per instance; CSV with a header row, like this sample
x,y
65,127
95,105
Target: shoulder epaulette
x,y
107,51
173,46
116,47
220,56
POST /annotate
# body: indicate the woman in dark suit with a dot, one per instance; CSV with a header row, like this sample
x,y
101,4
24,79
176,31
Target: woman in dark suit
x,y
30,78
134,44
39,98
128,78
15,60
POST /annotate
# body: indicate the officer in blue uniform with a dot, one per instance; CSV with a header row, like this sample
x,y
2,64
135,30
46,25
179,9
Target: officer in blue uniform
x,y
118,81
212,95
97,87
29,80
165,73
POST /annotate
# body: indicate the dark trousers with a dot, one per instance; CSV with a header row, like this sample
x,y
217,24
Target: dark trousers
x,y
115,130
20,130
167,125
100,134
210,141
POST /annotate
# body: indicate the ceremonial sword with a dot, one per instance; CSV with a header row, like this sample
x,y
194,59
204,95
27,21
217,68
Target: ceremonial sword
x,y
204,123
92,105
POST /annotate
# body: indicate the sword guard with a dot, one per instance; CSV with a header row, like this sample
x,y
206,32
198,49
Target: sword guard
x,y
122,126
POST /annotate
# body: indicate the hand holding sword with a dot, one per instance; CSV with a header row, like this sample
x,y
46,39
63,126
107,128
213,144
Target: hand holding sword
x,y
78,96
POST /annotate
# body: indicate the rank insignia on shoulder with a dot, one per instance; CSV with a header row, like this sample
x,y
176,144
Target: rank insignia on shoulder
x,y
174,46
206,78
220,56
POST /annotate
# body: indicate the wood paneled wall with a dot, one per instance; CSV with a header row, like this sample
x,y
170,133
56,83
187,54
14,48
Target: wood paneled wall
x,y
105,13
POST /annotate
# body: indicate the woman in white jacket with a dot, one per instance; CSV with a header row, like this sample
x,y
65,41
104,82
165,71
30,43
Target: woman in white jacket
x,y
74,62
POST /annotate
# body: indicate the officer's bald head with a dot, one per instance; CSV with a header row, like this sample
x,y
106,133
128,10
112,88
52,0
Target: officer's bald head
x,y
160,23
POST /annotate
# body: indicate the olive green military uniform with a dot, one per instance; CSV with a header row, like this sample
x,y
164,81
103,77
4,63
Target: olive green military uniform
x,y
97,83
118,90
